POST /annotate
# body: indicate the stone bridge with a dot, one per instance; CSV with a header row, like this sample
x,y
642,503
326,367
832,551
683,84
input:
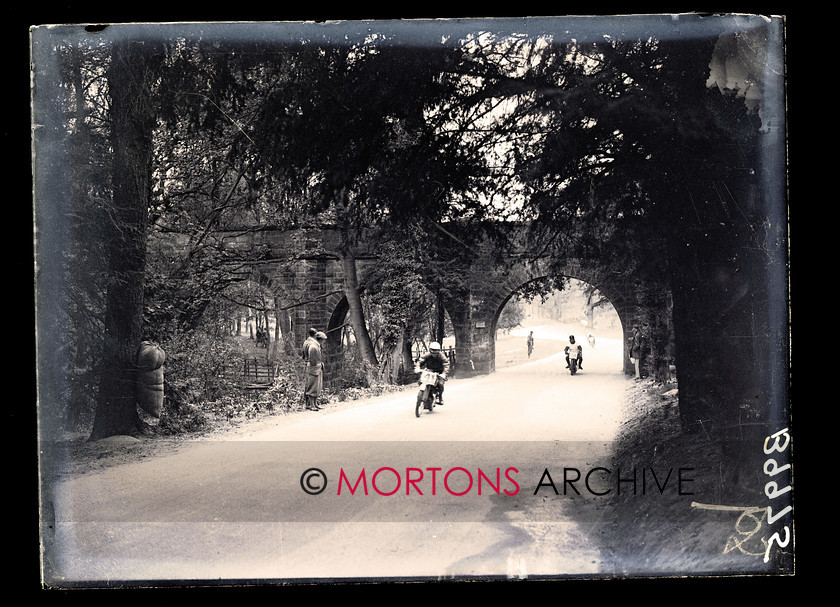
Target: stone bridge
x,y
304,263
722,318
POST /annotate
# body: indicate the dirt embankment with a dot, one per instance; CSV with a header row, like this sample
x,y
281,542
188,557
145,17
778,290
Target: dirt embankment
x,y
712,524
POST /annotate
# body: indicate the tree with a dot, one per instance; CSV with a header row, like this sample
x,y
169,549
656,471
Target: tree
x,y
89,220
205,190
131,75
640,162
512,314
357,138
399,287
601,146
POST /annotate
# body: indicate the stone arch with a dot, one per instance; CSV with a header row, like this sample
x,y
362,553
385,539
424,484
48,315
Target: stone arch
x,y
620,291
694,310
280,282
336,308
256,277
315,277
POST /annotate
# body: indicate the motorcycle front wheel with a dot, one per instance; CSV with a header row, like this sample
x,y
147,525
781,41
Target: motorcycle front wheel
x,y
422,400
573,366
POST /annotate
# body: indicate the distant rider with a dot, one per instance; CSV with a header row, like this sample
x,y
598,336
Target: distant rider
x,y
437,362
571,349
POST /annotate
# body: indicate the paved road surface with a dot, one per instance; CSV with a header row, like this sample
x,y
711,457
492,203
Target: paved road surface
x,y
449,494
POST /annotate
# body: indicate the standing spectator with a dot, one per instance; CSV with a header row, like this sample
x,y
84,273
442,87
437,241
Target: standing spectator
x,y
530,343
315,372
304,354
304,349
636,349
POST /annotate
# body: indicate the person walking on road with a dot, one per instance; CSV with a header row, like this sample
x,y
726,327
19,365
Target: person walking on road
x,y
315,372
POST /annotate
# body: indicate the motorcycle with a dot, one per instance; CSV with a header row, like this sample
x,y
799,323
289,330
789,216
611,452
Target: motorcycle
x,y
572,352
428,396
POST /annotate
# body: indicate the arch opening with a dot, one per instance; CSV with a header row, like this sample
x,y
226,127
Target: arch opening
x,y
396,351
257,321
579,309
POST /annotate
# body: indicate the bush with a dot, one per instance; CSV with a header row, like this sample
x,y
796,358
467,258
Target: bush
x,y
180,419
286,393
197,391
196,366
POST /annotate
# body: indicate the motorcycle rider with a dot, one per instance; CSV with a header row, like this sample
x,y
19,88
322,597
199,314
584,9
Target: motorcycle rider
x,y
573,347
437,362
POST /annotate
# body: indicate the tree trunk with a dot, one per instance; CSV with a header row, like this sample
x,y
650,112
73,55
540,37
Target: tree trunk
x,y
267,331
407,357
357,316
80,143
440,329
275,346
133,118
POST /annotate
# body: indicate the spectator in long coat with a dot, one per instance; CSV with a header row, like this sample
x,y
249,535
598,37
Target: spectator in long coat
x,y
315,372
304,354
310,339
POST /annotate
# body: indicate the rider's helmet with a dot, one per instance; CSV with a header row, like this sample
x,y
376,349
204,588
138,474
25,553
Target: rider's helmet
x,y
572,338
434,346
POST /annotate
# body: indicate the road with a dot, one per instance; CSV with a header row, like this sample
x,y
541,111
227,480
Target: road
x,y
459,492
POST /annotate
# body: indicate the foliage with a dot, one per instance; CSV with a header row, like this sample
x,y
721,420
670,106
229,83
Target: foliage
x,y
512,314
349,380
198,364
352,133
179,418
595,146
201,388
286,393
397,287
631,126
